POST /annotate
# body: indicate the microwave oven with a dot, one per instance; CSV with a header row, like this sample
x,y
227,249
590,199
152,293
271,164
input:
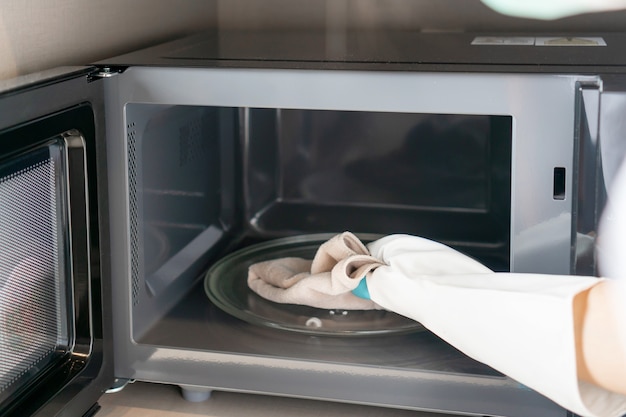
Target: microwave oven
x,y
124,182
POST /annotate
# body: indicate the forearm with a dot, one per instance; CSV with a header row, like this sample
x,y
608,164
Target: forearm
x,y
601,352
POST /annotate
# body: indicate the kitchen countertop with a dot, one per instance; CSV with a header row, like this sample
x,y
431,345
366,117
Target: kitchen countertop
x,y
157,400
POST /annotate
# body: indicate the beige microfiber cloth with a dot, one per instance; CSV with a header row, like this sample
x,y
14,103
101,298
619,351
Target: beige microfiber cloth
x,y
325,282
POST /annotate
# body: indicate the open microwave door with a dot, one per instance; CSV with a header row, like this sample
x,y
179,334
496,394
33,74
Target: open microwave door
x,y
55,343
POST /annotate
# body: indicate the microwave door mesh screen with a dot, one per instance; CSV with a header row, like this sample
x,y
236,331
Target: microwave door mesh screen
x,y
32,332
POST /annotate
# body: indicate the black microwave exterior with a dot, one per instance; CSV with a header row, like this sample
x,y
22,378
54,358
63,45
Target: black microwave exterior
x,y
36,109
389,50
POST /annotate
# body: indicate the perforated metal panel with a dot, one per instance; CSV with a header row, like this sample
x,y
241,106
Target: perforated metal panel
x,y
33,290
132,199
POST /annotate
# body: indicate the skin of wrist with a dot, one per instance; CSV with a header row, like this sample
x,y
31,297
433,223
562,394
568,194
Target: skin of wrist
x,y
601,354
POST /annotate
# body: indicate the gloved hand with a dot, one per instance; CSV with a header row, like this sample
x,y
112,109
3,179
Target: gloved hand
x,y
554,9
520,324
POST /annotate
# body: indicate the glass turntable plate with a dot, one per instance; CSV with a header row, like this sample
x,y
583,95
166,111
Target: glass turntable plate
x,y
226,286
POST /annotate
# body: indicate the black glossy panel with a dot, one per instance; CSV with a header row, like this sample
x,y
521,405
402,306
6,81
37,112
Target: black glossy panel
x,y
74,380
381,49
445,177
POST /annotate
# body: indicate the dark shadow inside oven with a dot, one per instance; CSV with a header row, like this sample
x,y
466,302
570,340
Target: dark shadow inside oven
x,y
444,177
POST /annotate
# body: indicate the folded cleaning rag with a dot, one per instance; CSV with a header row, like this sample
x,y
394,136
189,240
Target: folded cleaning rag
x,y
519,324
325,282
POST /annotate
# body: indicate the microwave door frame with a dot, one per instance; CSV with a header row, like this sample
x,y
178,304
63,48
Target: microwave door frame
x,y
38,107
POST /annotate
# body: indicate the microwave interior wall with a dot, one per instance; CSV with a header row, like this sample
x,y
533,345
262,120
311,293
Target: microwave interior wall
x,y
203,165
204,177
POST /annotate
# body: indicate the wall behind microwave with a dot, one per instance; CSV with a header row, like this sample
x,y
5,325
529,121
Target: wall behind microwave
x,y
426,15
41,34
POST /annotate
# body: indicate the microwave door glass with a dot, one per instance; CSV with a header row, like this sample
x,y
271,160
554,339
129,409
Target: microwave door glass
x,y
34,290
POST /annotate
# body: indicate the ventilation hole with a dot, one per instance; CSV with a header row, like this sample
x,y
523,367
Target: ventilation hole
x,y
133,215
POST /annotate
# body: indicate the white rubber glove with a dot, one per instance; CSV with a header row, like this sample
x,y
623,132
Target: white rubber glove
x,y
552,9
519,324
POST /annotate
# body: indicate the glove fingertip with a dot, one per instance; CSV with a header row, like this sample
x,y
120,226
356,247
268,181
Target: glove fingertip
x,y
361,290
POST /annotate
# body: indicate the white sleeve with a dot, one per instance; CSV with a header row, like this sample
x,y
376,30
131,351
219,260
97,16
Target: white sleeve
x,y
519,324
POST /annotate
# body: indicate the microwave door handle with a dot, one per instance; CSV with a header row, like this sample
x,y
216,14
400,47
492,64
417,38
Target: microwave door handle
x,y
588,193
78,214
